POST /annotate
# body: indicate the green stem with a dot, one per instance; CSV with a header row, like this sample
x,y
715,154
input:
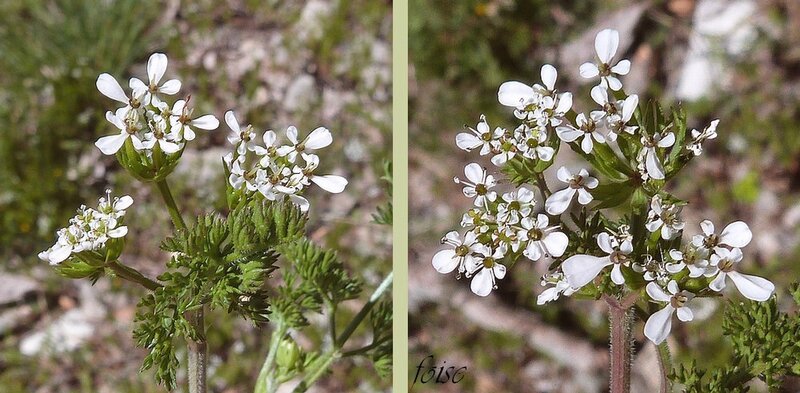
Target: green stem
x,y
353,325
198,349
318,369
133,275
174,213
265,384
665,365
542,183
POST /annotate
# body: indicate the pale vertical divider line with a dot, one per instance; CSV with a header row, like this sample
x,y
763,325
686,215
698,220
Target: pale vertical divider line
x,y
400,193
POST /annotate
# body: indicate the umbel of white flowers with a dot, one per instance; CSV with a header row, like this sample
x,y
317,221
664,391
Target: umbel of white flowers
x,y
90,229
275,170
145,118
511,225
149,122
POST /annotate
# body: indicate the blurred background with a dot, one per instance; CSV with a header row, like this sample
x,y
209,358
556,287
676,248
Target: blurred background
x,y
277,63
738,61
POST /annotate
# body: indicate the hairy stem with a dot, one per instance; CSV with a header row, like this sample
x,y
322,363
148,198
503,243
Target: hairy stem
x,y
265,382
133,275
317,370
665,365
197,354
197,357
621,319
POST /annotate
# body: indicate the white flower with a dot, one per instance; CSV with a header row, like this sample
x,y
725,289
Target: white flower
x,y
560,200
710,132
614,114
317,139
110,88
478,185
485,271
537,103
735,235
156,67
530,143
651,269
651,161
693,258
541,239
560,287
243,139
460,256
586,128
751,287
90,229
659,324
127,123
182,123
581,269
605,44
665,216
168,142
515,206
480,136
331,183
477,219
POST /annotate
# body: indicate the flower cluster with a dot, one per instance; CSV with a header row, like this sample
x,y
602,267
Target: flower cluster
x,y
274,170
634,151
145,119
90,229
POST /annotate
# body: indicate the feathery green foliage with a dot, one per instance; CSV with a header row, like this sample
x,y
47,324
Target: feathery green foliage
x,y
766,345
221,263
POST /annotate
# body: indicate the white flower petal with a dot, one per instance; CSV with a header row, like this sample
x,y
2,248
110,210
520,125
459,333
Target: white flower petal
x,y
563,174
474,173
606,44
604,242
533,251
587,144
599,95
156,66
137,86
331,183
233,124
111,144
467,141
568,134
564,103
707,227
659,324
123,203
622,68
445,261
736,234
482,283
549,76
170,87
111,88
555,243
300,201
629,106
319,138
653,165
206,122
718,283
616,275
584,197
580,270
118,232
168,147
667,141
514,93
499,271
613,82
657,293
685,314
589,70
559,201
59,254
752,287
